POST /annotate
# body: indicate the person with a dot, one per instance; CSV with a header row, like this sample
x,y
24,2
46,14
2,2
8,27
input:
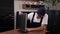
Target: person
x,y
38,20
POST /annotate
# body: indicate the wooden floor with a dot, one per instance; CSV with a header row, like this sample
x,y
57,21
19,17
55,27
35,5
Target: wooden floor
x,y
16,32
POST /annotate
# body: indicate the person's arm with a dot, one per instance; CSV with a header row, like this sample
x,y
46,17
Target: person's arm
x,y
45,21
42,27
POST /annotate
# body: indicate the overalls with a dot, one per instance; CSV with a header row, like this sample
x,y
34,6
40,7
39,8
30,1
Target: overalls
x,y
34,24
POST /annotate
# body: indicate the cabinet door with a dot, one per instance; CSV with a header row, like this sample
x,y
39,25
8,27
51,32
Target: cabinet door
x,y
54,21
6,15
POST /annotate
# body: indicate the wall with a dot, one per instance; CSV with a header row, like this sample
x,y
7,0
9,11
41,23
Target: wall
x,y
58,6
18,5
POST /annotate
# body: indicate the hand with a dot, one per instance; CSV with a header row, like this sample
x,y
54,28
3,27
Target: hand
x,y
41,28
20,13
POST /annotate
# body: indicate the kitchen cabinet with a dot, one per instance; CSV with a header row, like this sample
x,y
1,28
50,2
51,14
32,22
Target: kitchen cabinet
x,y
6,15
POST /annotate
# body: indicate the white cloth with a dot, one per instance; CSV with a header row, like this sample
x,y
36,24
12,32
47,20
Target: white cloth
x,y
44,21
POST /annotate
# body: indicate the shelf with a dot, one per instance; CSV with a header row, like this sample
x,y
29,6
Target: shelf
x,y
24,6
24,10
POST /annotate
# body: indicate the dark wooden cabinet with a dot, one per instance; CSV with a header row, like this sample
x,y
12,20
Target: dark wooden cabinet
x,y
54,21
6,15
